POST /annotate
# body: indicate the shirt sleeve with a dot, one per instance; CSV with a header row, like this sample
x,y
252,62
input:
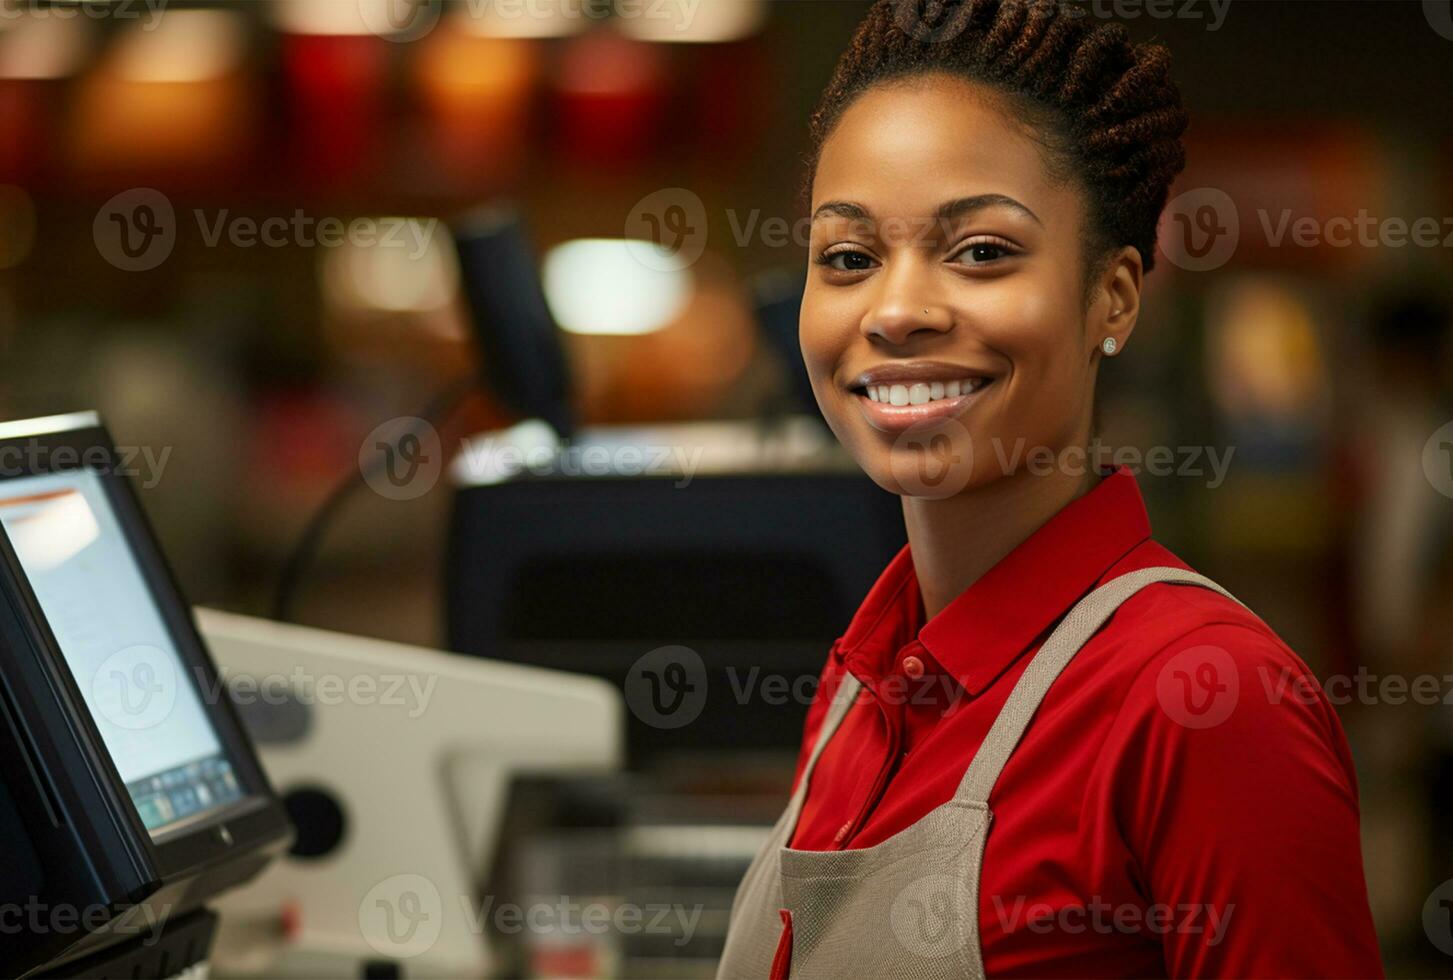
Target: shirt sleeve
x,y
1235,791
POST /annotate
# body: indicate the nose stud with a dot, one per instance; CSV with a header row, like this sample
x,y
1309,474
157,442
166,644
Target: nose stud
x,y
1108,345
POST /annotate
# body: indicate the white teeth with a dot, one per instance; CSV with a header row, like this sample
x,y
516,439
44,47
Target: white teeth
x,y
922,392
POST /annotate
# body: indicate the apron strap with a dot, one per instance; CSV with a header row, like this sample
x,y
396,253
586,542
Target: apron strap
x,y
1078,625
843,700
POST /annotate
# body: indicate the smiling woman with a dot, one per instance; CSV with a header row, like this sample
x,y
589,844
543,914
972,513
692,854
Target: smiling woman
x,y
986,182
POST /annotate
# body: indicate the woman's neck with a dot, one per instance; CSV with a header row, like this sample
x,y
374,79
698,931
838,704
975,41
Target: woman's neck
x,y
954,541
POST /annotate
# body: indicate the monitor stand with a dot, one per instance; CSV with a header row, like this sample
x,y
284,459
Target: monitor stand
x,y
180,951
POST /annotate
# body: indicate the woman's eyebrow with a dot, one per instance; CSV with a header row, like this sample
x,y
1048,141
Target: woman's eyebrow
x,y
978,202
840,209
947,211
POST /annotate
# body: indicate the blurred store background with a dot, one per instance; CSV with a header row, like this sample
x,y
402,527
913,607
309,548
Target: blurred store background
x,y
226,226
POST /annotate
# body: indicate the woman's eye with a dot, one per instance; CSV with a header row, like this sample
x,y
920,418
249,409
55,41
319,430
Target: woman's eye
x,y
849,261
981,252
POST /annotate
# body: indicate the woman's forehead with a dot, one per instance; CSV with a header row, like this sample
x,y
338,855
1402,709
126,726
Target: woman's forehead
x,y
906,147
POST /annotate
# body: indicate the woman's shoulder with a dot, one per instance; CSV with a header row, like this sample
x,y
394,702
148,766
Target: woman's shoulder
x,y
1165,612
1189,659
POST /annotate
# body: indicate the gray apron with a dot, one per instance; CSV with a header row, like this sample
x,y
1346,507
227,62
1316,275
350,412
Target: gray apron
x,y
909,906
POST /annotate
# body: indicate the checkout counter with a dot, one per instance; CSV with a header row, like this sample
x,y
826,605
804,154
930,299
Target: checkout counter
x,y
270,800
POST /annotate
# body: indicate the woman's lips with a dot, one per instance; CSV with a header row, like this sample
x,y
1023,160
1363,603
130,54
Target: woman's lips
x,y
897,418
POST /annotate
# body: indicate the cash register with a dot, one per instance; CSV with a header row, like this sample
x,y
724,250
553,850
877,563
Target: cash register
x,y
130,795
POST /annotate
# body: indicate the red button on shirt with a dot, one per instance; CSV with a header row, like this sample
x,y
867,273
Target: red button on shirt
x,y
1166,814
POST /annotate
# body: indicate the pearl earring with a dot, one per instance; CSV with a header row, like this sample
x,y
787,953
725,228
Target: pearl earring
x,y
1108,345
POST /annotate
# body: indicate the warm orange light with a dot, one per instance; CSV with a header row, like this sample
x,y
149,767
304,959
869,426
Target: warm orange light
x,y
478,91
1266,358
685,370
168,98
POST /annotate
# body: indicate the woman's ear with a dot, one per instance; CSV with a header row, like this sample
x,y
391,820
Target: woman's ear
x,y
1116,305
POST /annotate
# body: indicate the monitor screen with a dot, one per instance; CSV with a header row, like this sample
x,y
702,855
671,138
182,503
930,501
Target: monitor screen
x,y
146,705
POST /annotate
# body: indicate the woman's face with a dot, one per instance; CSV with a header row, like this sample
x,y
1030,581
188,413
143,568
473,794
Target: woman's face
x,y
945,324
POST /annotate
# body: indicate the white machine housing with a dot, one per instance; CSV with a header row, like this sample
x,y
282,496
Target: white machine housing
x,y
419,747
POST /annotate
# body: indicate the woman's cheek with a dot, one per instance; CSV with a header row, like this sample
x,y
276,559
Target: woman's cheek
x,y
1011,317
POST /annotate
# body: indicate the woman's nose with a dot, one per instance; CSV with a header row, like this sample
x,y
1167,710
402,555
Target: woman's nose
x,y
906,306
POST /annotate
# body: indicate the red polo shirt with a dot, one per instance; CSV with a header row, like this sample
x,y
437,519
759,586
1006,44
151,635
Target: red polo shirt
x,y
1183,803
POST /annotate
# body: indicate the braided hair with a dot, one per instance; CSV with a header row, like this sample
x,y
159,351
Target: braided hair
x,y
1105,110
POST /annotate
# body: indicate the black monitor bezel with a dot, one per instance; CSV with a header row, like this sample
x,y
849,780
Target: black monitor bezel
x,y
81,441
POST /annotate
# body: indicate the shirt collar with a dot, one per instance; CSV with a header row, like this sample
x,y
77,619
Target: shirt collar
x,y
989,625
